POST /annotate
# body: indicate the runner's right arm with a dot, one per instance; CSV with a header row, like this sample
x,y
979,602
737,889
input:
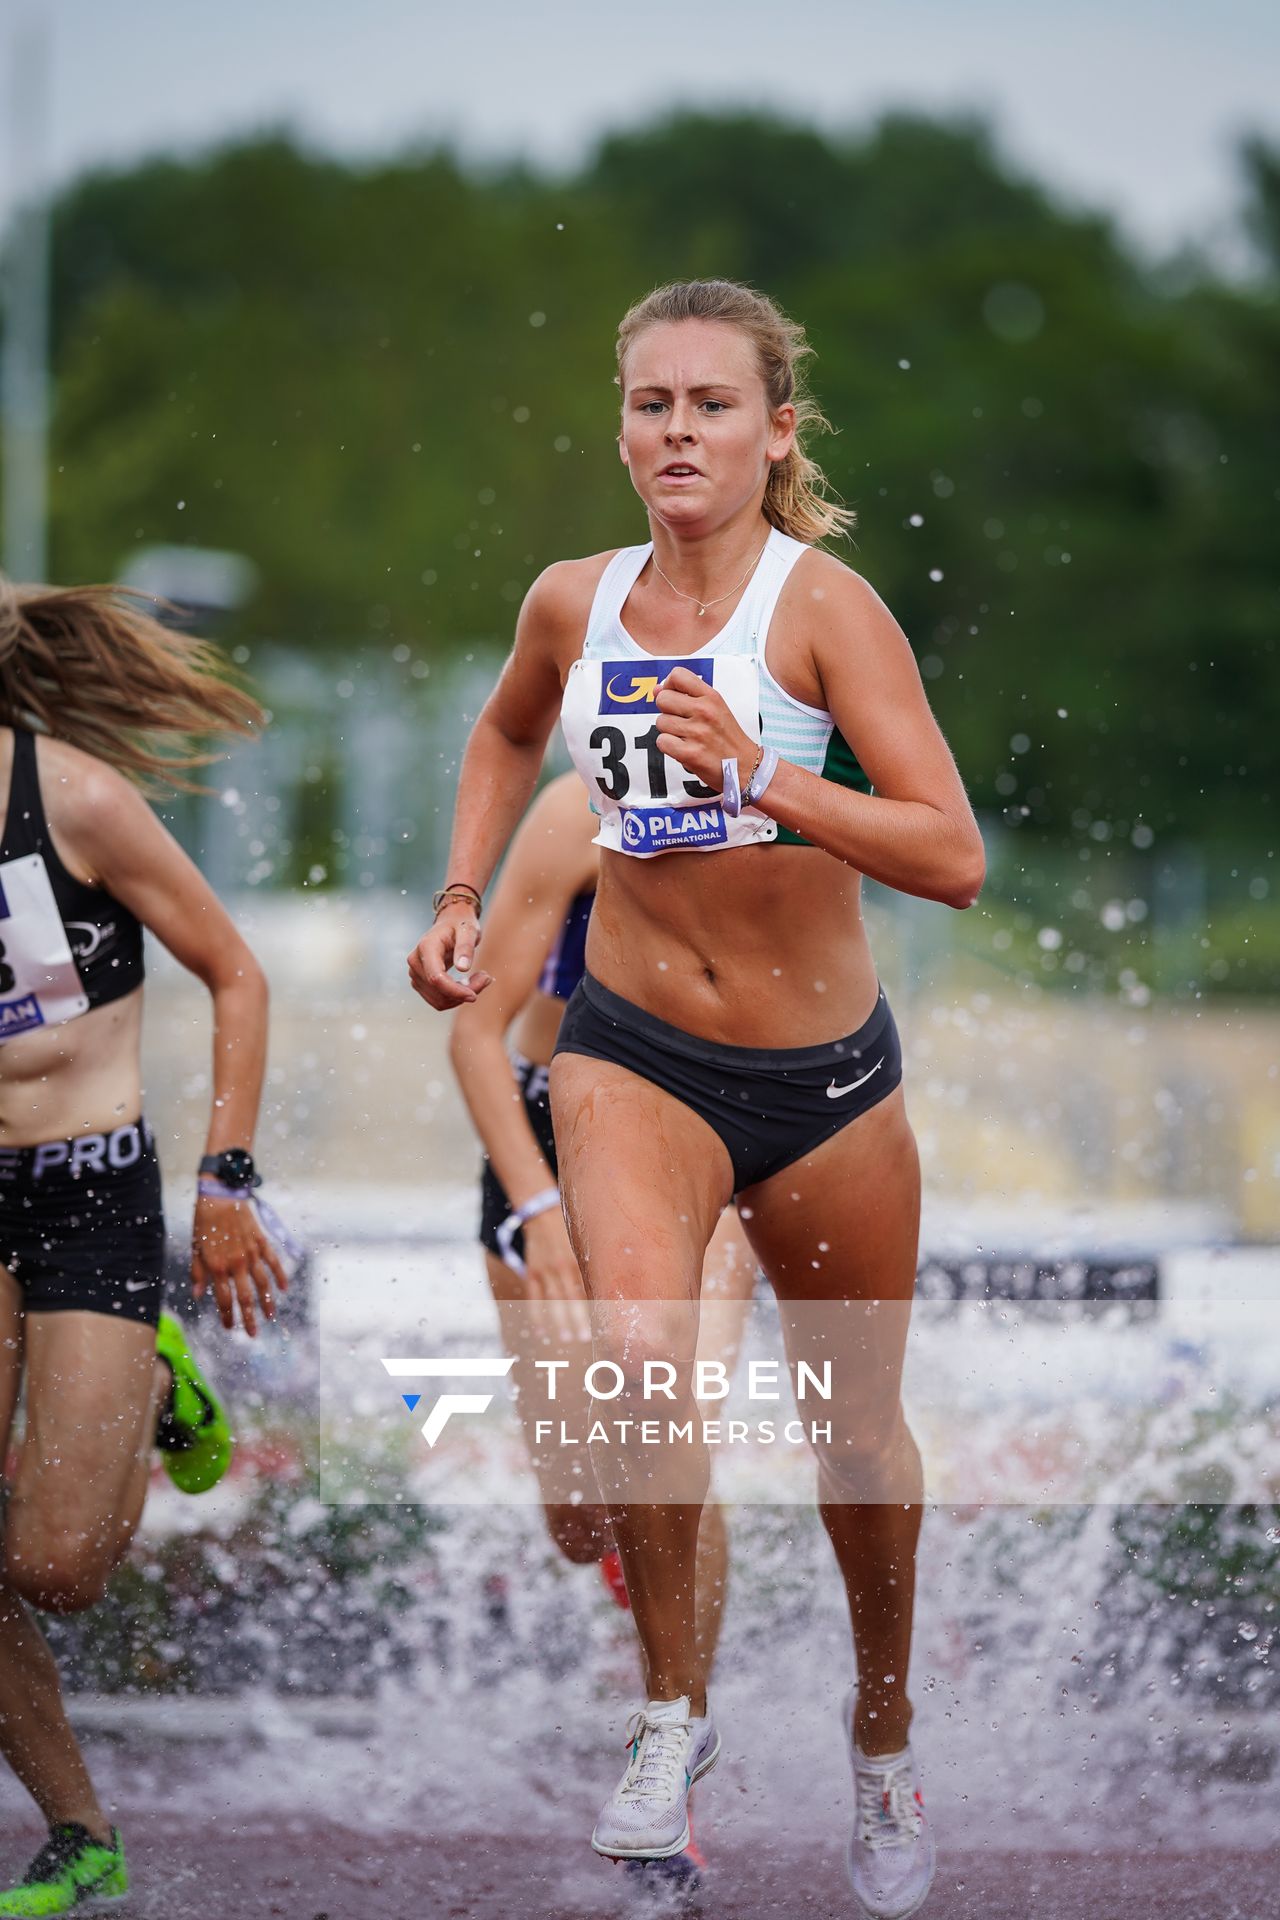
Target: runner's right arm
x,y
499,770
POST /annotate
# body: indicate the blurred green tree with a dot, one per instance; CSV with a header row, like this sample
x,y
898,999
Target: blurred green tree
x,y
391,386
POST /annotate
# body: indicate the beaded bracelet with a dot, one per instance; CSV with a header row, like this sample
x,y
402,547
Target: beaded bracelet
x,y
456,890
762,773
453,900
735,789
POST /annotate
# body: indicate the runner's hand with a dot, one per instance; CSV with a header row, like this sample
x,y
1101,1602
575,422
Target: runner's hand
x,y
552,1276
231,1253
698,730
451,942
551,1272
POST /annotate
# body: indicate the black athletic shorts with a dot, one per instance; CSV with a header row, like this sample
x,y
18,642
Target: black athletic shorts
x,y
770,1106
82,1224
495,1207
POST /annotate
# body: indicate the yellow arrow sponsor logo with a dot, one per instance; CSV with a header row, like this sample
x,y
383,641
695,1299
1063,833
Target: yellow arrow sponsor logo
x,y
643,689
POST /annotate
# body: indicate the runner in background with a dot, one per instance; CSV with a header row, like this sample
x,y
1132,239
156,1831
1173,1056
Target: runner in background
x,y
96,695
537,923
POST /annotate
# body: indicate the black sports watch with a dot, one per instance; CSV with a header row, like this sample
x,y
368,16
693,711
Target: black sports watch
x,y
234,1168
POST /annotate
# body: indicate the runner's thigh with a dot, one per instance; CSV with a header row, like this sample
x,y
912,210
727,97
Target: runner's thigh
x,y
842,1223
644,1181
87,1401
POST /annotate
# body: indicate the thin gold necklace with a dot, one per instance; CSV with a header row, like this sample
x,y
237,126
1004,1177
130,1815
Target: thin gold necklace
x,y
702,605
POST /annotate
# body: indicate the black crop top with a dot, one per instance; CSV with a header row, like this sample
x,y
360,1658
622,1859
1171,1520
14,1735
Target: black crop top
x,y
105,938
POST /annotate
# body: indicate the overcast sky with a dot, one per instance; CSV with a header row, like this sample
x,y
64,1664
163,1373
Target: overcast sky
x,y
1129,104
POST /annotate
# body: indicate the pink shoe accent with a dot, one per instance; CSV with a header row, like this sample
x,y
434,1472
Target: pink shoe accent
x,y
693,1851
614,1579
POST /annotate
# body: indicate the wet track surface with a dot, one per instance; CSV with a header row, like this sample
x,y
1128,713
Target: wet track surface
x,y
465,1782
215,1869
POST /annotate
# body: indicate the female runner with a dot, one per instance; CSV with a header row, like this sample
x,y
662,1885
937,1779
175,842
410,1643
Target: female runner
x,y
538,922
749,720
93,690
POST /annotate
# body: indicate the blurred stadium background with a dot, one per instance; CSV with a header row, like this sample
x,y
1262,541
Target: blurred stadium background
x,y
345,410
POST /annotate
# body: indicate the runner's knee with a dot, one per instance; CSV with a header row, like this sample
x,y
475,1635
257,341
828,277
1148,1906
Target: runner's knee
x,y
639,1376
583,1537
59,1573
869,1462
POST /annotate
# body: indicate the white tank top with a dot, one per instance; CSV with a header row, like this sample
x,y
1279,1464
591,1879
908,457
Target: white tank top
x,y
648,803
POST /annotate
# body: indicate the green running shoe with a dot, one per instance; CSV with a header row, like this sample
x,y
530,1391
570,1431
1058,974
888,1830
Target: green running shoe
x,y
72,1873
192,1431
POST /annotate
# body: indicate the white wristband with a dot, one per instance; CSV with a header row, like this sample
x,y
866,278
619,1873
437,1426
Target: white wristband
x,y
285,1242
506,1233
540,1203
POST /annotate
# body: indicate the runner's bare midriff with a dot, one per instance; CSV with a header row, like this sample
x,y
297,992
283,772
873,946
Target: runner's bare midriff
x,y
756,947
84,1076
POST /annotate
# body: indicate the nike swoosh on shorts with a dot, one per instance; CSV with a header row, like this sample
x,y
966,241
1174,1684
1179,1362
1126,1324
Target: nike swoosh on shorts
x,y
837,1093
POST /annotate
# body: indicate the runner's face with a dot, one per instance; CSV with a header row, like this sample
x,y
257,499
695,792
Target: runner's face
x,y
697,436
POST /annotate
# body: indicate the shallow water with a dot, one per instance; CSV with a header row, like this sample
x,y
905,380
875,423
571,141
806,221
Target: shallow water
x,y
1093,1675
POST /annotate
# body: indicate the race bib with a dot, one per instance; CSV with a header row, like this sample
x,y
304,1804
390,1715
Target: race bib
x,y
39,984
648,802
629,770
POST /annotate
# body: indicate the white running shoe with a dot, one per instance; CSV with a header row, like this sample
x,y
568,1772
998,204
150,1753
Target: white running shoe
x,y
891,1854
646,1817
672,1883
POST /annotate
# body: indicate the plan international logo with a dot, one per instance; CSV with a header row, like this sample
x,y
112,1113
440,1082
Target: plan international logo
x,y
658,829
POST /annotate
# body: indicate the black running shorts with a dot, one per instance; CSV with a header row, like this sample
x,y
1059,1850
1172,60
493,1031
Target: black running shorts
x,y
495,1207
770,1106
82,1224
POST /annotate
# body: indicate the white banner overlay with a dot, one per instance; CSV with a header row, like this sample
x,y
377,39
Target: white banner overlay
x,y
1030,1404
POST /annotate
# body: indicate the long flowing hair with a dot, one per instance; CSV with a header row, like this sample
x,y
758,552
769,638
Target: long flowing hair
x,y
95,667
796,500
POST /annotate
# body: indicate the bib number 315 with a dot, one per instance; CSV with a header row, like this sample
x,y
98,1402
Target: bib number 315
x,y
615,776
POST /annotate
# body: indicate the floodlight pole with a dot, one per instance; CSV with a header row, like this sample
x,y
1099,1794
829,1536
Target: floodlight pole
x,y
24,379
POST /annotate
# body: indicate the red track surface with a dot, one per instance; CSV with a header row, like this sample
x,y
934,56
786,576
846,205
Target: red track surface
x,y
218,1870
